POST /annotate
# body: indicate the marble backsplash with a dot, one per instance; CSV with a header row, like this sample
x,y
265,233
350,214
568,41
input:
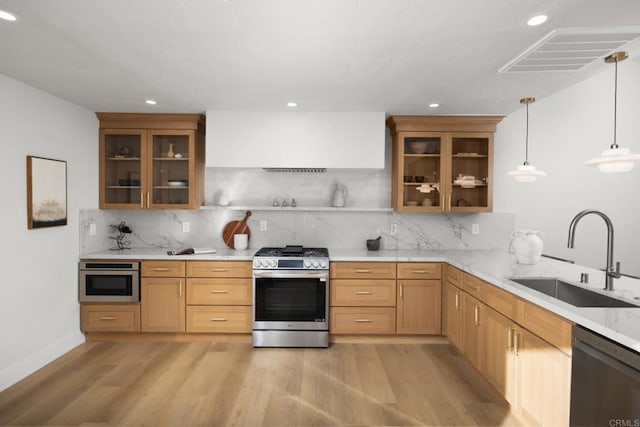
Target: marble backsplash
x,y
333,229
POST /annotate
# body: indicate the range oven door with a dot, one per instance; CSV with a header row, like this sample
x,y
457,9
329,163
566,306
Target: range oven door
x,y
290,300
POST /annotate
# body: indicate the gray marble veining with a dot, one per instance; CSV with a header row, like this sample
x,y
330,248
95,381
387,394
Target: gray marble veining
x,y
343,229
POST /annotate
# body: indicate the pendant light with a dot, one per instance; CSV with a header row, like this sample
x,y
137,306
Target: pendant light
x,y
615,159
526,172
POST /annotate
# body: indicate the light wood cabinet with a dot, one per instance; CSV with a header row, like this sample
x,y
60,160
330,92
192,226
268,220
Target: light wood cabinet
x,y
110,317
543,380
162,296
163,304
364,293
452,307
521,349
419,298
473,312
498,358
218,319
431,153
219,296
151,161
363,320
419,307
362,270
362,298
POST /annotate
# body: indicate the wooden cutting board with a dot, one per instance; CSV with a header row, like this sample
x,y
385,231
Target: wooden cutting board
x,y
235,227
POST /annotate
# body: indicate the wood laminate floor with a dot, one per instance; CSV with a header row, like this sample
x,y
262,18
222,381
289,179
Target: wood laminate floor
x,y
231,384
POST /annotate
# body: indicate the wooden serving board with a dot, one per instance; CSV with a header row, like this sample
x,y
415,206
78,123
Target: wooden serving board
x,y
235,227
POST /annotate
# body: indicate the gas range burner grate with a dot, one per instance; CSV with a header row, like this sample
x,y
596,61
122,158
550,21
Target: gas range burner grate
x,y
293,251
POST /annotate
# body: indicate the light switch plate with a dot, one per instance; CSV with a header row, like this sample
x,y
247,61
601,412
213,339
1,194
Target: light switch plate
x,y
263,225
186,227
92,229
475,228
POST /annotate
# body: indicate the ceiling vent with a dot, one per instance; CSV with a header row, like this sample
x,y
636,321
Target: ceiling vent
x,y
570,49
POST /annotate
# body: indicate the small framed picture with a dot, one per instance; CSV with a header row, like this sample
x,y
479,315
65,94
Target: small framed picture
x,y
46,192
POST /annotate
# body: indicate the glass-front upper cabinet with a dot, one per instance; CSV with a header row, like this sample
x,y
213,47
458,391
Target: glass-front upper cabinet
x,y
442,163
121,156
422,168
172,153
151,161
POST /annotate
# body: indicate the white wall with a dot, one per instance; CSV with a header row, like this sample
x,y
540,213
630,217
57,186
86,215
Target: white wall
x,y
39,312
565,130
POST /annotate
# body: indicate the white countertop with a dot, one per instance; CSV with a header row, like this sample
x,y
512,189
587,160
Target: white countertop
x,y
619,324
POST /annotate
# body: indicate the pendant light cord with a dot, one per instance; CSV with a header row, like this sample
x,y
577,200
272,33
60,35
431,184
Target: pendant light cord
x,y
526,141
615,108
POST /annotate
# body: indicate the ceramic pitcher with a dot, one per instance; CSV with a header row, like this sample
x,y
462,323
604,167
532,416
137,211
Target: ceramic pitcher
x,y
339,196
527,246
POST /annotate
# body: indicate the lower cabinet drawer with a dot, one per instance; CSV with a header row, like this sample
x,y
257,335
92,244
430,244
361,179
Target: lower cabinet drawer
x,y
352,292
363,320
211,291
230,319
110,317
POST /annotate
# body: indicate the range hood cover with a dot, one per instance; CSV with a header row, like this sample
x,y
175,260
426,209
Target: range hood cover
x,y
276,140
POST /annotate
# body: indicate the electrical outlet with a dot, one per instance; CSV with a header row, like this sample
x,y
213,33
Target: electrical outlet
x,y
186,227
263,225
92,229
394,229
475,228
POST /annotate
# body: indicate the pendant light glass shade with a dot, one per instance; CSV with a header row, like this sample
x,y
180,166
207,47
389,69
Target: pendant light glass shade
x,y
616,159
526,172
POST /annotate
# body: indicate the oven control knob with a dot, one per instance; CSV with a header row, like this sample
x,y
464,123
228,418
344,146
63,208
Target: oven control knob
x,y
256,263
307,264
323,264
316,264
273,263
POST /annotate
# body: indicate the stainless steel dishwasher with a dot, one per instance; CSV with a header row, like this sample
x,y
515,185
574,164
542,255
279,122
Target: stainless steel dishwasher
x,y
605,382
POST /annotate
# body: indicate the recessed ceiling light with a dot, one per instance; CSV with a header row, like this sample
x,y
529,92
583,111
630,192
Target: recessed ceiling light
x,y
7,16
150,102
434,105
537,20
292,104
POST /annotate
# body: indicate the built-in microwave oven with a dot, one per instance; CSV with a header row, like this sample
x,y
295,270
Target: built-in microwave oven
x,y
109,281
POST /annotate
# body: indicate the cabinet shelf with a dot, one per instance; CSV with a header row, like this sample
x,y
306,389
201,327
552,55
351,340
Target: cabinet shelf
x,y
124,159
123,187
471,156
171,159
422,155
170,187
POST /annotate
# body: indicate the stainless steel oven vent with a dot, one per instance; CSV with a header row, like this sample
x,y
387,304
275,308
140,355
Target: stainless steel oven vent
x,y
303,170
571,49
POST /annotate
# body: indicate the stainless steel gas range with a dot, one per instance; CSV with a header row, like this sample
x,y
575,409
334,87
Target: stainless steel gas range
x,y
291,297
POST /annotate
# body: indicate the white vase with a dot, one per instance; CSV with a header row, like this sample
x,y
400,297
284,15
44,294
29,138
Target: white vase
x,y
527,246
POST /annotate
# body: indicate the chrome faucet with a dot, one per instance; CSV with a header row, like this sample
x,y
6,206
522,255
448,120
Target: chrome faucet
x,y
610,273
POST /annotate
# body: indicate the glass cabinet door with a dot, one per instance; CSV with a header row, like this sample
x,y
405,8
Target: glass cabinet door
x,y
470,172
122,173
422,172
171,177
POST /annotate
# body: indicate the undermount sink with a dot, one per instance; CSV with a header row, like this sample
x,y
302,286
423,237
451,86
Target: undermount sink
x,y
571,294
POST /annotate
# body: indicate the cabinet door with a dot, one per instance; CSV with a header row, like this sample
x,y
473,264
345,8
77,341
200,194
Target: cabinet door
x,y
544,381
172,169
163,304
453,315
471,157
471,330
498,360
419,304
419,171
122,168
